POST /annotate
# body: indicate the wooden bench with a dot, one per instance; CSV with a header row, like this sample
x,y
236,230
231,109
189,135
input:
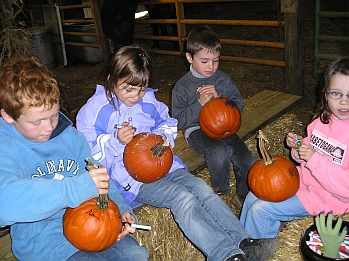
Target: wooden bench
x,y
5,249
259,110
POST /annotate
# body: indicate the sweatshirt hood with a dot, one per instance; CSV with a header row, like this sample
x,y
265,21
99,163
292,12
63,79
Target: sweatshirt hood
x,y
8,130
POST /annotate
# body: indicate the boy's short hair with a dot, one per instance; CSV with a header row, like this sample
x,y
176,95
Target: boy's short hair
x,y
26,83
203,38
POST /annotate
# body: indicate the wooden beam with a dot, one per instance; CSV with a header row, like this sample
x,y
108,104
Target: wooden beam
x,y
294,46
102,39
288,6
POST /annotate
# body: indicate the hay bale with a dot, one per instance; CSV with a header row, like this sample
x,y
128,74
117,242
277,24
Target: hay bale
x,y
166,242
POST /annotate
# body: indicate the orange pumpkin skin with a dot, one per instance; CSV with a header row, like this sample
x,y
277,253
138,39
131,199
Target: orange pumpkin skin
x,y
90,228
275,182
144,165
220,118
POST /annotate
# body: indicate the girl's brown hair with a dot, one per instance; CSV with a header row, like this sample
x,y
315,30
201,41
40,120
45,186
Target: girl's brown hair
x,y
131,63
26,83
339,66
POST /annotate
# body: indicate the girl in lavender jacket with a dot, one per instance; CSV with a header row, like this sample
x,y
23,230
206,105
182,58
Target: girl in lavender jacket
x,y
125,106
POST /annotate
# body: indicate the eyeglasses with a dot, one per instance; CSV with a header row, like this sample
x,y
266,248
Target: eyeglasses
x,y
336,95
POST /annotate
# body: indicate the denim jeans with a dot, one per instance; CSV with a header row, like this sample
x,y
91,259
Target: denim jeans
x,y
127,249
218,156
203,217
262,219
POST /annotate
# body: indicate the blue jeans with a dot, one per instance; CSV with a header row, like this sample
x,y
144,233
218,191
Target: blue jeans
x,y
127,249
261,219
218,156
203,217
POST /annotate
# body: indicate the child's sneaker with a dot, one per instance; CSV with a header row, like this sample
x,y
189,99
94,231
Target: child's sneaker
x,y
238,257
259,249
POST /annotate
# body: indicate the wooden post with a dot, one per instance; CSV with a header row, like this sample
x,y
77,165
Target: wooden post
x,y
181,28
102,39
294,45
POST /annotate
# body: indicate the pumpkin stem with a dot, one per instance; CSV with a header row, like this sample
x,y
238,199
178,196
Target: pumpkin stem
x,y
159,149
102,201
268,158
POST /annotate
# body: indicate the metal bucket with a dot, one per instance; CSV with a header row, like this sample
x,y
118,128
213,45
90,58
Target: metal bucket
x,y
42,40
82,53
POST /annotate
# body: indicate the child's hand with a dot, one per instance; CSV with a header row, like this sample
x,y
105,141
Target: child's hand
x,y
207,93
291,140
305,152
127,229
126,133
101,178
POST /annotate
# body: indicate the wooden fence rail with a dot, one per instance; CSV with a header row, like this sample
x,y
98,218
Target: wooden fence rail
x,y
293,43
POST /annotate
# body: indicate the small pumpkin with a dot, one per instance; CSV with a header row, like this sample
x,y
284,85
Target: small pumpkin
x,y
148,157
272,178
94,225
220,118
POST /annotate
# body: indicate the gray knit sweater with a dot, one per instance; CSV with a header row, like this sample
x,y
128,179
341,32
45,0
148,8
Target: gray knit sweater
x,y
185,103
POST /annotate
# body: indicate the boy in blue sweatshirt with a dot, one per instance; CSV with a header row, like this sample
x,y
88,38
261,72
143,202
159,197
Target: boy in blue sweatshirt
x,y
42,170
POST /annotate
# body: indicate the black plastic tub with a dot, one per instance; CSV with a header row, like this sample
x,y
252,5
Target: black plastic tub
x,y
310,255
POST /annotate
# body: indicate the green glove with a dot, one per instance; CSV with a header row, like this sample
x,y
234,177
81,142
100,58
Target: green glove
x,y
330,237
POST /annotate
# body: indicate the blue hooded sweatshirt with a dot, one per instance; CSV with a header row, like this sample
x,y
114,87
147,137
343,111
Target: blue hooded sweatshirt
x,y
38,181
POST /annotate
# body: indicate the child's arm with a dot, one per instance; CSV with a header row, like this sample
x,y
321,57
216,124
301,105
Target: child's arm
x,y
186,106
28,199
332,176
104,146
230,90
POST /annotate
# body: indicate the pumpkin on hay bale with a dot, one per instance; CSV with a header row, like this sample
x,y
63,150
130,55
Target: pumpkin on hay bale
x,y
94,225
148,157
272,178
220,118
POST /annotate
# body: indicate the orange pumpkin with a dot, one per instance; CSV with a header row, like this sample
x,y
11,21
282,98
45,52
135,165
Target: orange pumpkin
x,y
94,225
220,118
91,228
148,157
272,178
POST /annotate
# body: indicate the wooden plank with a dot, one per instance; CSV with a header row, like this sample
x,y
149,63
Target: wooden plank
x,y
259,110
5,249
194,160
263,108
